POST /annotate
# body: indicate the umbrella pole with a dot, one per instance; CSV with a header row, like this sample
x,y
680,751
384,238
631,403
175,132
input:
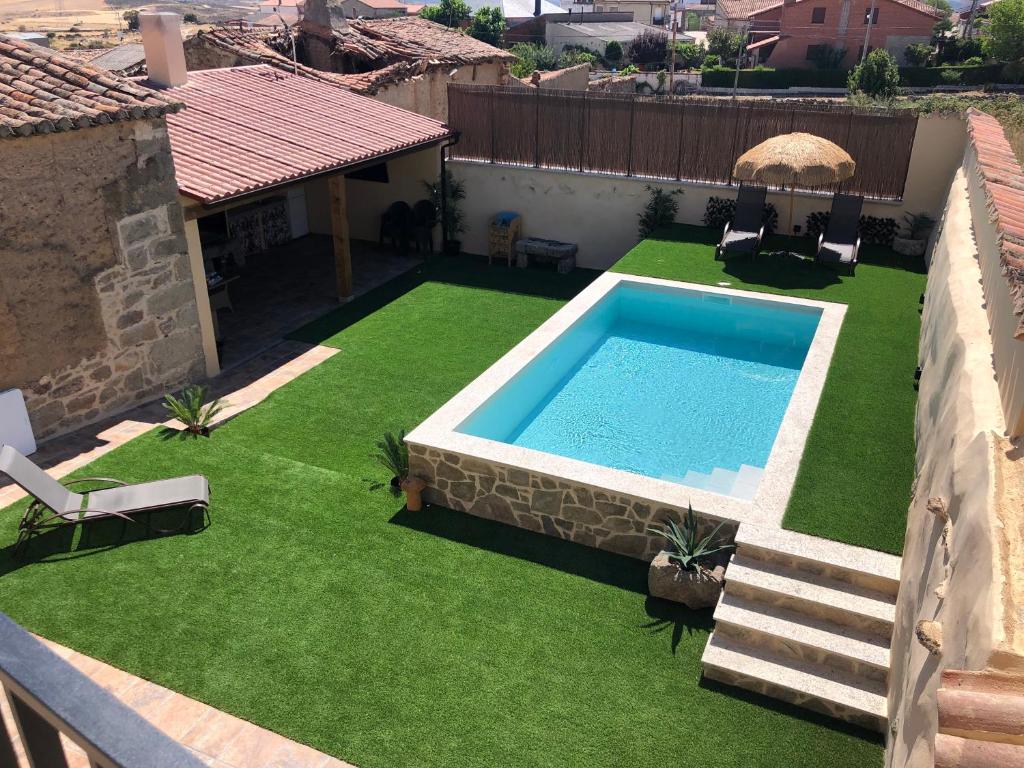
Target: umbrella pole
x,y
789,232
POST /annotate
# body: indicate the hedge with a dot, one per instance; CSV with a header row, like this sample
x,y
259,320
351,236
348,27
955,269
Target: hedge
x,y
722,77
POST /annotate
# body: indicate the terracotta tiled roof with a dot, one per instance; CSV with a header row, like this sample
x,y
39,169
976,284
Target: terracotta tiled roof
x,y
410,38
43,91
249,128
258,47
744,9
1004,185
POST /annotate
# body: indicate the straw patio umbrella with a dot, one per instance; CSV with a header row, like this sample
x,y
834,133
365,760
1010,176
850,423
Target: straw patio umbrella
x,y
795,158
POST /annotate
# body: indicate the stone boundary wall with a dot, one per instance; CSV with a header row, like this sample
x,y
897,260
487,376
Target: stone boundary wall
x,y
97,304
961,580
585,515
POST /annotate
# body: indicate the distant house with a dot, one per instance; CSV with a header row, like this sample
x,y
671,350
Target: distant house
x,y
518,10
406,61
653,12
376,9
289,11
595,36
800,33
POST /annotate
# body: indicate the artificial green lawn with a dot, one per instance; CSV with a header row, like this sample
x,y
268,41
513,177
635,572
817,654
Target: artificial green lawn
x,y
858,466
314,606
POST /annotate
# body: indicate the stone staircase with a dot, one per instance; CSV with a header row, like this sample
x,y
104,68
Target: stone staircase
x,y
740,483
807,621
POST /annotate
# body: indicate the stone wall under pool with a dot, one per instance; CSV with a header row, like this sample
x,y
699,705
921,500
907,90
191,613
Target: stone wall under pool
x,y
549,505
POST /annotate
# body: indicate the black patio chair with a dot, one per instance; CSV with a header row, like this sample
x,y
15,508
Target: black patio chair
x,y
839,244
396,225
746,230
424,219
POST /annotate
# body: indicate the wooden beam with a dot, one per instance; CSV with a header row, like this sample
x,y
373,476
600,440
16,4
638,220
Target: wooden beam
x,y
339,232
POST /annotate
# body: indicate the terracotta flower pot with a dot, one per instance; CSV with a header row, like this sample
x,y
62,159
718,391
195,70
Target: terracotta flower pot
x,y
694,589
413,487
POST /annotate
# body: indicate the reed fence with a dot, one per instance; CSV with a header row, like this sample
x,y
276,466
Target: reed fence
x,y
683,139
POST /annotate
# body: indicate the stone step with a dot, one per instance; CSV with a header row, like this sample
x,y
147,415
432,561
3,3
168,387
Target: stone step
x,y
748,478
840,562
801,638
816,596
721,481
862,702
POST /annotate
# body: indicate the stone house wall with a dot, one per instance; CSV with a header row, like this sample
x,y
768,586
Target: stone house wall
x,y
548,505
97,303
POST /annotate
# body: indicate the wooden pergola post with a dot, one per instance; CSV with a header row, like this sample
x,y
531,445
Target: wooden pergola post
x,y
340,236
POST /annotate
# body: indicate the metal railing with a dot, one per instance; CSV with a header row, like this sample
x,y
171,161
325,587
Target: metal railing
x,y
49,697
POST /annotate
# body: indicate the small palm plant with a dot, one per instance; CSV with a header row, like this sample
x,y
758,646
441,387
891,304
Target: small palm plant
x,y
689,552
393,455
192,410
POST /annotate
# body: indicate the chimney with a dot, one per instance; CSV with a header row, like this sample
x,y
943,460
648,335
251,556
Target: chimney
x,y
536,7
165,54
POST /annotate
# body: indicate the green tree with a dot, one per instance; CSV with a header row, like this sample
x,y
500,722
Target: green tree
x,y
488,25
1005,41
917,55
131,18
530,57
613,51
451,13
724,44
190,18
572,57
690,55
878,77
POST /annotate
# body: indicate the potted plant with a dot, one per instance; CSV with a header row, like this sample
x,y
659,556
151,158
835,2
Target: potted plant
x,y
393,455
192,411
453,194
919,227
686,571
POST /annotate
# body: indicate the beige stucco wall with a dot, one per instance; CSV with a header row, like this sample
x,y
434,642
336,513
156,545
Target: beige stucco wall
x,y
97,305
599,212
1008,351
367,200
965,576
427,94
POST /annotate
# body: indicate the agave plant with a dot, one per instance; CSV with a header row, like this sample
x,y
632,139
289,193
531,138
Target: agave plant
x,y
688,551
192,410
393,454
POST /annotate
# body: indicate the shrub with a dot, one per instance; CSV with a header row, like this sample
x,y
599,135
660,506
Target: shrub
x,y
488,25
451,13
660,211
530,57
917,55
878,230
192,410
950,77
690,55
720,210
974,61
724,44
878,76
455,193
571,57
817,222
190,18
765,77
649,47
687,551
711,62
393,454
613,51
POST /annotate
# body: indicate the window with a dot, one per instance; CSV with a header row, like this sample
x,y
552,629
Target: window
x,y
816,52
817,16
874,18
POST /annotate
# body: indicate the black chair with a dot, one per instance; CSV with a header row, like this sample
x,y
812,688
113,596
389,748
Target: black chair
x,y
424,219
396,224
744,233
839,244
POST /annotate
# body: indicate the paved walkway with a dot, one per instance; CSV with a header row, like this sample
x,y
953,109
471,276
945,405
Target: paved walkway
x,y
217,738
240,388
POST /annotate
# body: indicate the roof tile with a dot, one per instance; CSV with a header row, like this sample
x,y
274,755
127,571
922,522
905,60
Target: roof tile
x,y
248,128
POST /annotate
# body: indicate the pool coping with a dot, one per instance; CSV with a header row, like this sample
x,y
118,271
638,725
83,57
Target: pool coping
x,y
768,505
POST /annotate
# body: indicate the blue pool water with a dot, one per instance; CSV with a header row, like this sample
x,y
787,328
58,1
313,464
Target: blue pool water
x,y
676,384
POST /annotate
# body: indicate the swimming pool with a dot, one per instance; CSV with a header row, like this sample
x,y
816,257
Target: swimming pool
x,y
683,385
637,399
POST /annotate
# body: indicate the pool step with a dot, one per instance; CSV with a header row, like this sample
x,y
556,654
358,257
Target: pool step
x,y
808,621
741,483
